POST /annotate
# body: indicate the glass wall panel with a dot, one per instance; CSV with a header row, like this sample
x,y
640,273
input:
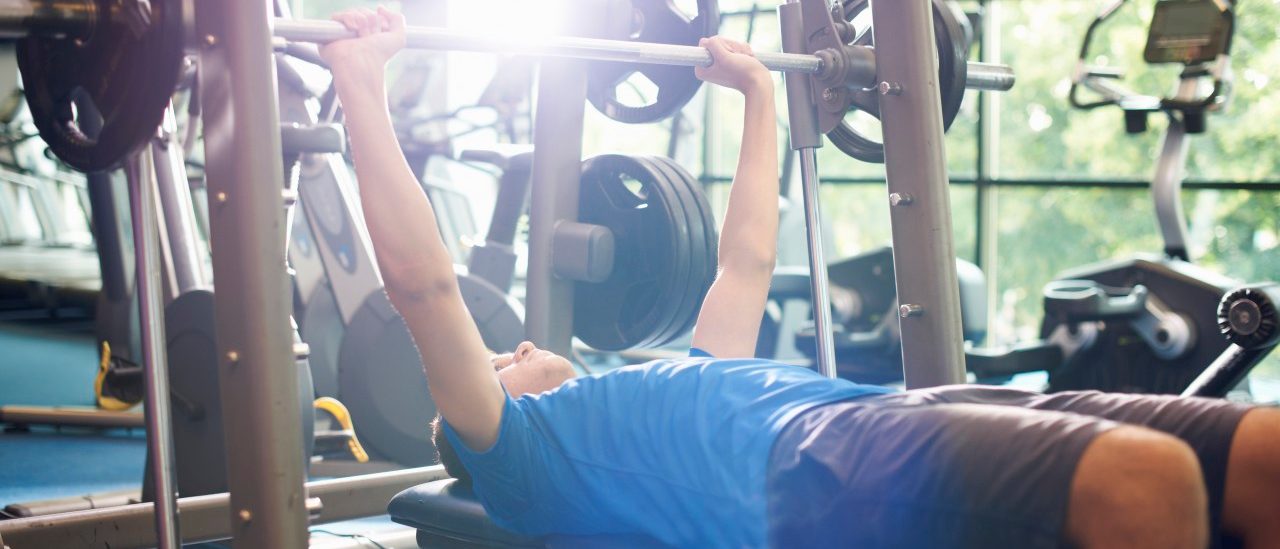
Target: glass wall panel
x,y
857,220
1042,136
1044,231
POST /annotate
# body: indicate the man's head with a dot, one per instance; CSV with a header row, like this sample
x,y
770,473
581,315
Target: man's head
x,y
528,370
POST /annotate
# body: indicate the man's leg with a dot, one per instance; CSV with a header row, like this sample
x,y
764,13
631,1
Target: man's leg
x,y
900,472
1238,446
1252,508
1135,487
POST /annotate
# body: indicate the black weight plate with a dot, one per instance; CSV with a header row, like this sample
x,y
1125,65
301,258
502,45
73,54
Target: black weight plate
x,y
625,309
199,441
702,250
689,239
710,236
661,22
952,72
128,76
671,289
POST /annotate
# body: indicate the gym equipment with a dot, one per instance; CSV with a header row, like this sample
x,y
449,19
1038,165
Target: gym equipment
x,y
950,35
447,514
494,260
116,311
865,310
126,60
48,277
146,245
663,256
199,439
209,518
122,57
1247,318
1145,324
654,21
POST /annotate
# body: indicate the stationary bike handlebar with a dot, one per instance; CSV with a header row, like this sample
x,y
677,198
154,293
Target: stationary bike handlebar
x,y
1102,80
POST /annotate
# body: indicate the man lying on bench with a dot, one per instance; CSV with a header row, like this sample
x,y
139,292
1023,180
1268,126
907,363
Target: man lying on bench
x,y
724,450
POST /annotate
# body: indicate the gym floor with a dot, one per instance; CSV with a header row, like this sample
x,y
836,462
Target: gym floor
x,y
52,363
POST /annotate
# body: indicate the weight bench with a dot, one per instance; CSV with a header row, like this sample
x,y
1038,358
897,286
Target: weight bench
x,y
447,515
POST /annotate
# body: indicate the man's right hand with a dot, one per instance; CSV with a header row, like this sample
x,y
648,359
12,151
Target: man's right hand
x,y
733,65
380,34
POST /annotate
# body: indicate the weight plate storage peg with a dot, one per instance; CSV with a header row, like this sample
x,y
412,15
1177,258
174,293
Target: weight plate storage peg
x,y
662,22
97,96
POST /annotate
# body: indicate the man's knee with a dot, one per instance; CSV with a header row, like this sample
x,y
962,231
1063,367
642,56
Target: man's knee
x,y
1135,486
1252,501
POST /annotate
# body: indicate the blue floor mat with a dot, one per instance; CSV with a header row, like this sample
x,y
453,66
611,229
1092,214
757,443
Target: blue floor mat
x,y
41,366
42,465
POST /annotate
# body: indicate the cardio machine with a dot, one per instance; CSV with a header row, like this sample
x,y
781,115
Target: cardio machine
x,y
1149,323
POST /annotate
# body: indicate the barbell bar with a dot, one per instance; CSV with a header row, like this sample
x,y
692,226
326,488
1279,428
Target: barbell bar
x,y
981,76
75,19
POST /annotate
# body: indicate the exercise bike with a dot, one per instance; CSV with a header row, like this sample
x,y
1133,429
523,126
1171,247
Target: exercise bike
x,y
1149,323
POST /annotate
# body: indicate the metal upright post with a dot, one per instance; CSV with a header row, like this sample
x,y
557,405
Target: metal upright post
x,y
557,166
1166,185
187,252
805,138
924,252
556,170
146,245
256,368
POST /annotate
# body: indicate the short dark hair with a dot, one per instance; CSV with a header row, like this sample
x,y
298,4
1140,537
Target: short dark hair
x,y
448,456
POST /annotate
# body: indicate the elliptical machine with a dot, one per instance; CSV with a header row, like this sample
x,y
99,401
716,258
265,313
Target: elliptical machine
x,y
1149,323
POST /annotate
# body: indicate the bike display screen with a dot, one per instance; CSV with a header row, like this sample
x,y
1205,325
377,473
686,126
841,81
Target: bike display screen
x,y
1188,31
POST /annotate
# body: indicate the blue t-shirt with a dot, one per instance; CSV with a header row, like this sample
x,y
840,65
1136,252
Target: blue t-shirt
x,y
674,449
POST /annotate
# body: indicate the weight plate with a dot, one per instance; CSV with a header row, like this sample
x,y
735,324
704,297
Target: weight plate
x,y
703,232
126,69
627,308
953,70
661,22
711,238
671,290
685,237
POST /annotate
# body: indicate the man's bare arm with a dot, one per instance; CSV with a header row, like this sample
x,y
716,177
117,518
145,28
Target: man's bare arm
x,y
729,321
416,266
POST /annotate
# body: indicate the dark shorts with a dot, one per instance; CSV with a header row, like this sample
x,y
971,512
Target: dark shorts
x,y
963,466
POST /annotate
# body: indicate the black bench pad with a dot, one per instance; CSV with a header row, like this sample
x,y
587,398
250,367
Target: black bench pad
x,y
447,514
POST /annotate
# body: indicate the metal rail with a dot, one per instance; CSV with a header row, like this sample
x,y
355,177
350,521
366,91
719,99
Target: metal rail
x,y
146,244
206,518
